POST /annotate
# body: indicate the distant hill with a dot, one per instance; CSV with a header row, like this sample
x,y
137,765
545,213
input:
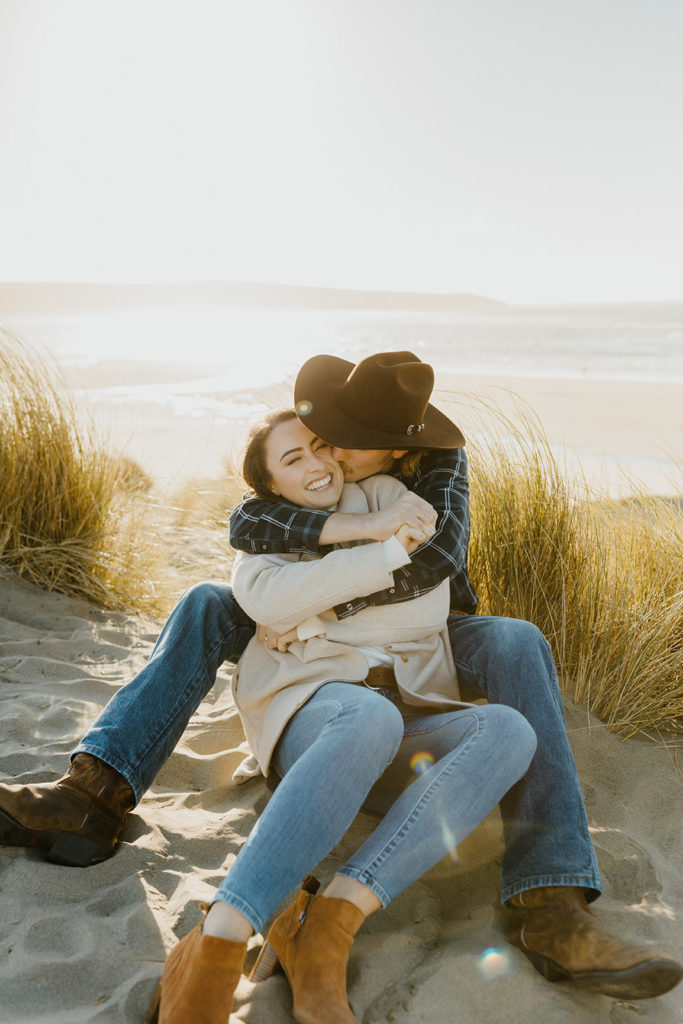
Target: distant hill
x,y
55,297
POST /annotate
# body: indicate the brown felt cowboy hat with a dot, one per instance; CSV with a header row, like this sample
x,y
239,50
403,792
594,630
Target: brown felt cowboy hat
x,y
381,402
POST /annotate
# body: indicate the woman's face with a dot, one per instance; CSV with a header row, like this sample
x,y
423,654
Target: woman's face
x,y
301,466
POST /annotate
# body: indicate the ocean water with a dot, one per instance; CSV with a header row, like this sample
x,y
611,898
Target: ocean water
x,y
251,348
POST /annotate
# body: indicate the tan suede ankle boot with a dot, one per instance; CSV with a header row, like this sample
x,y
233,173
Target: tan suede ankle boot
x,y
199,980
77,820
565,942
311,940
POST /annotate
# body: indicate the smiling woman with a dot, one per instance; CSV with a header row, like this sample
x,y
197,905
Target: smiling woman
x,y
284,459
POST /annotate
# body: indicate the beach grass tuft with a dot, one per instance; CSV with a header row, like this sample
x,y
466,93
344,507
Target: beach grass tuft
x,y
601,578
67,519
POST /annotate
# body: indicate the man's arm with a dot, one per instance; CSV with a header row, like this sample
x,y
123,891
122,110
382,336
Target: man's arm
x,y
264,527
267,527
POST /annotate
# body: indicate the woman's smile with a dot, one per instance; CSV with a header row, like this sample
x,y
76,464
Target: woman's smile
x,y
320,485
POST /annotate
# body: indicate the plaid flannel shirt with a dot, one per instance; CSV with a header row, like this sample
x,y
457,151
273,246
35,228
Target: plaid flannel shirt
x,y
441,479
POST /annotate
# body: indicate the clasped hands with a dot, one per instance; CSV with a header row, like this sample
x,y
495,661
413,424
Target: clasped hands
x,y
410,519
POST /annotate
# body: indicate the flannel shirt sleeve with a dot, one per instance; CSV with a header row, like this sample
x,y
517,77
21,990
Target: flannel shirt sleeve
x,y
441,480
266,527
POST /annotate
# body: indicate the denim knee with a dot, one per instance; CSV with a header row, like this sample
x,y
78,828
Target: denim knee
x,y
376,723
385,722
212,606
207,596
516,635
511,730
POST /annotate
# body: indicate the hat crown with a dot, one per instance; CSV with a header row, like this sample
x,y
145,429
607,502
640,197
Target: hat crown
x,y
382,402
389,391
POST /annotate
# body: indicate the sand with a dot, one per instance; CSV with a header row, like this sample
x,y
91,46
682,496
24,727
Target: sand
x,y
87,945
610,431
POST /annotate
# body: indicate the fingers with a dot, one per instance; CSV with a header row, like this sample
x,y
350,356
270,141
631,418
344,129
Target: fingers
x,y
420,530
273,640
420,511
270,639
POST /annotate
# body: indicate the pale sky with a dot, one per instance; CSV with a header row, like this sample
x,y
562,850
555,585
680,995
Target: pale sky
x,y
530,150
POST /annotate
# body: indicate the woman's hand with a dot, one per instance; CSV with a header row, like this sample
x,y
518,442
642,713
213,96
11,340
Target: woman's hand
x,y
274,640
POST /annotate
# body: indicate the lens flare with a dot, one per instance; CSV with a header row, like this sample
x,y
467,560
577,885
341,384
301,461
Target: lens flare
x,y
449,843
304,407
493,963
421,761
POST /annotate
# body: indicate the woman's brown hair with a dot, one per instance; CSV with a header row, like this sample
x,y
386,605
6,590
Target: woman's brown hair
x,y
254,469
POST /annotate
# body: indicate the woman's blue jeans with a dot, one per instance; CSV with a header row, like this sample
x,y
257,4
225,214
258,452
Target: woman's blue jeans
x,y
332,752
506,661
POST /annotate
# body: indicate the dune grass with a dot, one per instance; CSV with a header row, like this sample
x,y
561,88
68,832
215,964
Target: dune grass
x,y
67,518
602,579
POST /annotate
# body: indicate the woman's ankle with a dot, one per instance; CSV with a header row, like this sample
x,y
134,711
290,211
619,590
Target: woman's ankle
x,y
224,922
353,891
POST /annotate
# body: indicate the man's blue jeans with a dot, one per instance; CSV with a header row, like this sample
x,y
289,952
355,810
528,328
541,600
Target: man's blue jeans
x,y
506,661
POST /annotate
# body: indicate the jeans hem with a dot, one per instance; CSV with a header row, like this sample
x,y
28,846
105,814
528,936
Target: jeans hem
x,y
118,766
591,883
362,876
237,903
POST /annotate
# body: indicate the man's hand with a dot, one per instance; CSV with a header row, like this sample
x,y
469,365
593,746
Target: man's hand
x,y
411,511
412,537
273,640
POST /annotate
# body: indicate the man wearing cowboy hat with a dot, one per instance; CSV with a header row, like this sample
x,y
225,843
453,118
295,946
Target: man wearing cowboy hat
x,y
374,414
378,417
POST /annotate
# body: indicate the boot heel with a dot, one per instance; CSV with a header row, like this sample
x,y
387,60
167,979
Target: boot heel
x,y
153,1012
76,851
267,962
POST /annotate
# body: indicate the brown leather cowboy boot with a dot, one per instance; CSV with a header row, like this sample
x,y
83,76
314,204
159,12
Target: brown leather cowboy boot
x,y
311,940
78,819
558,933
199,980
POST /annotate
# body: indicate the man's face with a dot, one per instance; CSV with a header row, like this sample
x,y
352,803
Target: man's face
x,y
358,463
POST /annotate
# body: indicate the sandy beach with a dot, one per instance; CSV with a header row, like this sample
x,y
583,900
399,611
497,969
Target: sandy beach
x,y
88,945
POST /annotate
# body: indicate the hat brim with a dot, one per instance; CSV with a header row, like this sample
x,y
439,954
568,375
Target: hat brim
x,y
316,394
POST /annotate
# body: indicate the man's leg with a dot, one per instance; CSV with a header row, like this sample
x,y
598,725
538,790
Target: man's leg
x,y
547,842
140,726
550,869
79,819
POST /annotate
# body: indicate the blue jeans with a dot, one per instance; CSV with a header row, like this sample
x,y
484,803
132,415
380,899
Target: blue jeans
x,y
332,752
506,661
547,842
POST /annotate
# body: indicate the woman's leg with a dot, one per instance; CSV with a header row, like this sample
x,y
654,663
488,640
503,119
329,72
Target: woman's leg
x,y
470,758
332,751
140,726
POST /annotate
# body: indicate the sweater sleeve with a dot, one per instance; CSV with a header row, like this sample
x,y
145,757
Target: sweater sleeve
x,y
274,590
